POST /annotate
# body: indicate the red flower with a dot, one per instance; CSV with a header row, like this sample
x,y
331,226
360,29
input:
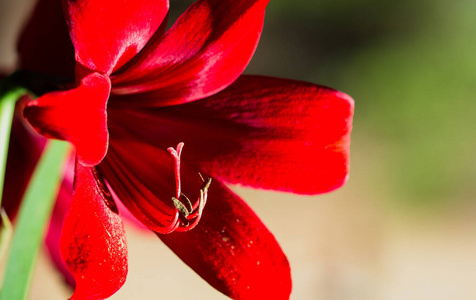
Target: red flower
x,y
139,91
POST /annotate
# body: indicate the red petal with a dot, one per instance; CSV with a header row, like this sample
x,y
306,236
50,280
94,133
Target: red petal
x,y
262,132
142,177
233,250
207,49
45,45
296,136
93,241
107,33
77,115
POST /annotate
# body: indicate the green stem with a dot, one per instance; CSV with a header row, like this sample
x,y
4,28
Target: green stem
x,y
7,109
33,217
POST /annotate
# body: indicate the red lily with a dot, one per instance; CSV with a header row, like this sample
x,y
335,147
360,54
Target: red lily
x,y
138,91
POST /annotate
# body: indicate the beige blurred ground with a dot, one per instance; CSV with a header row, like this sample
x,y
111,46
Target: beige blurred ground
x,y
351,244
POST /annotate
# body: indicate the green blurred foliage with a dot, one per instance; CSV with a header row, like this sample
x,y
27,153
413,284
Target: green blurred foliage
x,y
416,94
410,66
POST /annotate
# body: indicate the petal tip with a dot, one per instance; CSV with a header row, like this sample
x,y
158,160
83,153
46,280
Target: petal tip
x,y
78,116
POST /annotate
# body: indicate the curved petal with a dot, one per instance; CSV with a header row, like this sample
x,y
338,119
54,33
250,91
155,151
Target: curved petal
x,y
262,132
207,49
77,115
232,250
106,34
93,241
44,45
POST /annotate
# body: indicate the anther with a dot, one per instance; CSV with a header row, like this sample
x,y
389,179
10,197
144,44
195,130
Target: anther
x,y
190,206
181,208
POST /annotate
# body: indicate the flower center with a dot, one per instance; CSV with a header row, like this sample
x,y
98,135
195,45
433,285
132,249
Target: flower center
x,y
188,214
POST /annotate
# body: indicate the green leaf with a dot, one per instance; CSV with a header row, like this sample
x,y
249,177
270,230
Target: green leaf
x,y
8,98
33,217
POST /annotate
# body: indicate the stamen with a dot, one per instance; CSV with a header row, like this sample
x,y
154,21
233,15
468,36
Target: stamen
x,y
197,214
203,196
173,225
184,208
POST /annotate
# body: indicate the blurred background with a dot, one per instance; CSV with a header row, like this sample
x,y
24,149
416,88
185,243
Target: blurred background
x,y
404,227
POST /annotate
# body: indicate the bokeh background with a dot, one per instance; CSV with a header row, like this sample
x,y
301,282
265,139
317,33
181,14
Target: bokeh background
x,y
404,227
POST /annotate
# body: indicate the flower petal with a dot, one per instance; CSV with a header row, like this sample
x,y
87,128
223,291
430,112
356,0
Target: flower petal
x,y
233,250
77,115
295,136
207,49
93,241
262,132
107,33
142,177
45,45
